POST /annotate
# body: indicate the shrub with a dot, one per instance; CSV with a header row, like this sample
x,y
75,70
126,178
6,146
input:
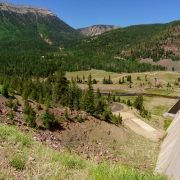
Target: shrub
x,y
4,90
106,116
30,114
38,106
15,105
129,103
116,119
118,99
49,120
138,103
9,103
18,162
82,118
30,118
11,114
167,123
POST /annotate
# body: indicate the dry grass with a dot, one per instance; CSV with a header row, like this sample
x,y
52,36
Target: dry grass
x,y
138,85
42,162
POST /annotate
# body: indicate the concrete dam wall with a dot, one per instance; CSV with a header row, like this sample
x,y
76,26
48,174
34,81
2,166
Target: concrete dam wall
x,y
169,158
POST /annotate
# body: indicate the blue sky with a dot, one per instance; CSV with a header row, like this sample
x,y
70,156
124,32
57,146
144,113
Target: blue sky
x,y
84,13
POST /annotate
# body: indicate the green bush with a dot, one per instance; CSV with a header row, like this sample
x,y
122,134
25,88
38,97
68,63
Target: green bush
x,y
18,161
9,103
15,105
4,90
106,116
49,120
167,123
116,119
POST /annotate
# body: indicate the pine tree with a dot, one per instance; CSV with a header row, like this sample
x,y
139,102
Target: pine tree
x,y
26,108
138,103
49,120
89,97
109,80
129,103
98,94
31,118
60,89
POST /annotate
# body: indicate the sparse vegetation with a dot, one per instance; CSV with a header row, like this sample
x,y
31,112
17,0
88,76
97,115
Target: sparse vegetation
x,y
35,159
167,123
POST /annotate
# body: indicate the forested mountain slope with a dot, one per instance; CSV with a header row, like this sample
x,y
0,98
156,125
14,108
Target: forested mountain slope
x,y
26,28
31,38
154,41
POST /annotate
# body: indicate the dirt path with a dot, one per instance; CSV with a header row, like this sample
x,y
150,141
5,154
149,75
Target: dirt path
x,y
131,121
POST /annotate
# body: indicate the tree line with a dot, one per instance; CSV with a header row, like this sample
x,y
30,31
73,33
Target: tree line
x,y
56,90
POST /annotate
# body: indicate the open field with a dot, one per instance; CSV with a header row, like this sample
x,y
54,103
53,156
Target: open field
x,y
164,62
141,82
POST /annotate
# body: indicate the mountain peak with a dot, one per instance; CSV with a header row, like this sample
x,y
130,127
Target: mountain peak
x,y
25,9
96,29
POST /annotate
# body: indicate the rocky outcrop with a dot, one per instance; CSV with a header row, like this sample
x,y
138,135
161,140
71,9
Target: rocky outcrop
x,y
25,9
96,30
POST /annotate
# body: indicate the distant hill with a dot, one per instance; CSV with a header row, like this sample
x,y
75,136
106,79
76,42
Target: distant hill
x,y
96,29
27,27
155,41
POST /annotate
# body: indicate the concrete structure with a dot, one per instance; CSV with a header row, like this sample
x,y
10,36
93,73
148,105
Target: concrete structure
x,y
173,110
169,158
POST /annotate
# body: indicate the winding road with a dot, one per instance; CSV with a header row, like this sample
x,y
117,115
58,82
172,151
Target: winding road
x,y
117,107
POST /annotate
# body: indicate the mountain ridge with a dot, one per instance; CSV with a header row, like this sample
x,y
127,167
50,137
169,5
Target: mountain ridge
x,y
25,9
96,29
33,27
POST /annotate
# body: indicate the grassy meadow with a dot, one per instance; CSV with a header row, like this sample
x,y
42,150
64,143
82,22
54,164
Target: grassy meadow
x,y
141,82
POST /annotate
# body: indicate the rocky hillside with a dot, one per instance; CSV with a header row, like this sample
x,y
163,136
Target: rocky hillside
x,y
37,28
96,29
25,9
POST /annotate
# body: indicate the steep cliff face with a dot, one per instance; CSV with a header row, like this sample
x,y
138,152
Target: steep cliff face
x,y
97,29
25,9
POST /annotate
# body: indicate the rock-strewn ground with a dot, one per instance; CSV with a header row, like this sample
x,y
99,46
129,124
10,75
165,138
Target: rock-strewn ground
x,y
92,139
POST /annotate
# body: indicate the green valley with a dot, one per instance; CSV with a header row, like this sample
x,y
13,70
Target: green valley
x,y
83,107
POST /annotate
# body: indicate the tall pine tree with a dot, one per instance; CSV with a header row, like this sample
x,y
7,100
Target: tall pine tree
x,y
89,97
